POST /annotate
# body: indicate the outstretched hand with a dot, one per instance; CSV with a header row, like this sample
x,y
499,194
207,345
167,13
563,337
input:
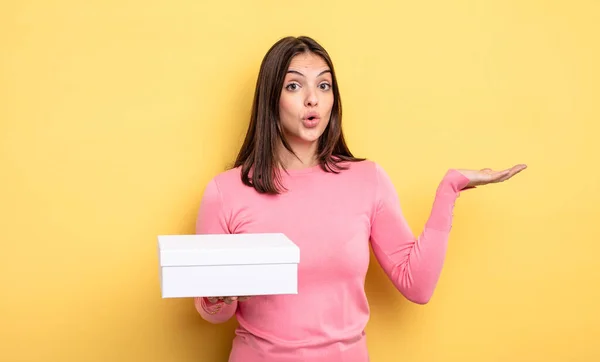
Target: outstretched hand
x,y
487,176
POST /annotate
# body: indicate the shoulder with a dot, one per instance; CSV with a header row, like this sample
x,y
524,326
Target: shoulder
x,y
367,170
366,175
228,179
224,185
374,178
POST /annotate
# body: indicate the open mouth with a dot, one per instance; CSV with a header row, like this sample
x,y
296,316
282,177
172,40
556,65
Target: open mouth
x,y
311,121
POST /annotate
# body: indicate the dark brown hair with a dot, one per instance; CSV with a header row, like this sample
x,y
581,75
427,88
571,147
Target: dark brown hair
x,y
258,154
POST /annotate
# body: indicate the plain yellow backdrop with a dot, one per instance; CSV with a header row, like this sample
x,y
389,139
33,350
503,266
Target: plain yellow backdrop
x,y
115,114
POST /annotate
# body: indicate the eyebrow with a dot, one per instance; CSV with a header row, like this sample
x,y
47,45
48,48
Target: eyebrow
x,y
320,74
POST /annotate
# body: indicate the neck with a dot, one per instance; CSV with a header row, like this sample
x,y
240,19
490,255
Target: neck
x,y
305,155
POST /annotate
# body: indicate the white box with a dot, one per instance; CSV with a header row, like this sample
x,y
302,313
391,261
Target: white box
x,y
227,265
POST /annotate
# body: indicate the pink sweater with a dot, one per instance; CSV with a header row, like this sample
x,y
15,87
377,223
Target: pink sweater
x,y
333,218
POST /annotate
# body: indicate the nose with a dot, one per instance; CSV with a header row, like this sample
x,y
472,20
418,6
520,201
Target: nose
x,y
311,98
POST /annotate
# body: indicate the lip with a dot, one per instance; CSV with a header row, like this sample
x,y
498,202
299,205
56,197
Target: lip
x,y
311,119
311,116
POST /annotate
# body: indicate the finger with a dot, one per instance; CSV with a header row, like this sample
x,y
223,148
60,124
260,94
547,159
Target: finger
x,y
499,175
230,300
513,171
519,168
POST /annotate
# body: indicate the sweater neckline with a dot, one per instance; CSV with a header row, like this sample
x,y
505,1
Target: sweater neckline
x,y
301,171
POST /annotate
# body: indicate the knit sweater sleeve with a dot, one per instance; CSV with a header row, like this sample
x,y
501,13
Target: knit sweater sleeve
x,y
413,263
212,219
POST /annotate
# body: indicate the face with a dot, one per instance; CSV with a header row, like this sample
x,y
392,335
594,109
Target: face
x,y
306,99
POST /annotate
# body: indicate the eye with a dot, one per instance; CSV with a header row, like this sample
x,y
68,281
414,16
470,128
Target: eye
x,y
325,86
292,86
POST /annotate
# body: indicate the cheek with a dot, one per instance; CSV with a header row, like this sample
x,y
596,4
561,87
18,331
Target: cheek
x,y
288,110
326,102
330,100
329,108
287,103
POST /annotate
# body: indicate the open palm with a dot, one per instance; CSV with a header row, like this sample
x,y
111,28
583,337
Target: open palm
x,y
488,176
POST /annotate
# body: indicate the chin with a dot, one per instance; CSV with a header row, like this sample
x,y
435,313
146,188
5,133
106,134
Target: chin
x,y
303,135
310,136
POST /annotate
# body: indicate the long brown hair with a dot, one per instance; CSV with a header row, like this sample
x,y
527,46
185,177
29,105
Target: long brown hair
x,y
258,154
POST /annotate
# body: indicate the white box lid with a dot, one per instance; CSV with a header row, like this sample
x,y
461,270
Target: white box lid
x,y
226,249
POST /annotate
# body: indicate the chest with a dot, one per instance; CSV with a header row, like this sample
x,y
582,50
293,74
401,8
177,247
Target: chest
x,y
331,228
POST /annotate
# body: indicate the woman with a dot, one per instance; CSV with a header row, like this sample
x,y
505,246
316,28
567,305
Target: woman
x,y
295,175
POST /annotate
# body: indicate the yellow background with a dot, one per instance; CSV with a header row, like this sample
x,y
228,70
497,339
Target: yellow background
x,y
115,114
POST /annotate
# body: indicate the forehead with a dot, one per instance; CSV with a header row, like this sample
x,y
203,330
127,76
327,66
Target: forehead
x,y
308,63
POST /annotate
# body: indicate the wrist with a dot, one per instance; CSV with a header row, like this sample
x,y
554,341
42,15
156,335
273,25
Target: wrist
x,y
454,182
